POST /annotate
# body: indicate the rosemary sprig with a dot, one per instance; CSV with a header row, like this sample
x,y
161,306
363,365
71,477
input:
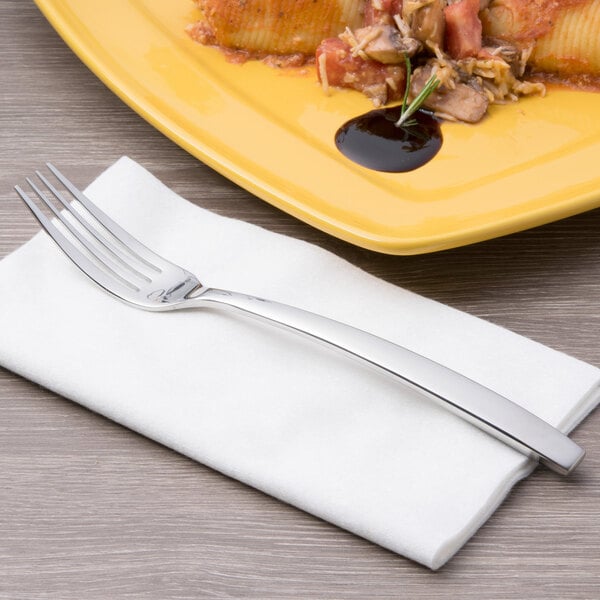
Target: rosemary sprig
x,y
407,86
407,111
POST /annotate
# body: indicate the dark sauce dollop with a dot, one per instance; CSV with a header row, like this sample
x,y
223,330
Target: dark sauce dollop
x,y
374,141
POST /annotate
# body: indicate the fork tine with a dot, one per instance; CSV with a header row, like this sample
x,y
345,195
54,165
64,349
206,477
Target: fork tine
x,y
87,266
106,261
115,252
147,256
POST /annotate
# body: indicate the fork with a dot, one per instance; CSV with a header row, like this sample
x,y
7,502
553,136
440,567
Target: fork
x,y
131,272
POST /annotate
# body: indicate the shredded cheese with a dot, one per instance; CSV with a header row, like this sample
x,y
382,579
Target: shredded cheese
x,y
410,7
323,73
371,35
350,39
402,26
393,85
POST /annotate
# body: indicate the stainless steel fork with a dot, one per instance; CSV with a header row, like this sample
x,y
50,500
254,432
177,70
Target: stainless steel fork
x,y
129,271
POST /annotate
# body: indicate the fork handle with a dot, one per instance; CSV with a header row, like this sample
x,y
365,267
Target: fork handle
x,y
470,400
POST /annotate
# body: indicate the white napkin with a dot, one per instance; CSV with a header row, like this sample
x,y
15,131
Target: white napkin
x,y
278,412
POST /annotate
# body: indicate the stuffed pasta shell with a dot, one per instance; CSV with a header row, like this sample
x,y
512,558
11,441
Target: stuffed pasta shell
x,y
564,35
262,27
481,52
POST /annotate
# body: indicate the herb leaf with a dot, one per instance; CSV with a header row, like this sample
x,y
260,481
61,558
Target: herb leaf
x,y
407,111
407,86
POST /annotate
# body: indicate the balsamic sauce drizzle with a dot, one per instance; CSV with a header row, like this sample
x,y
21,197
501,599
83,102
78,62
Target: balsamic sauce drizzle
x,y
374,141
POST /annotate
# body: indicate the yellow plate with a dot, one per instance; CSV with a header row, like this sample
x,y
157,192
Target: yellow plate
x,y
272,133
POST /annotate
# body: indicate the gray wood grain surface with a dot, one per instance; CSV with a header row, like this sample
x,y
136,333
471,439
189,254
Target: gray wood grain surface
x,y
91,510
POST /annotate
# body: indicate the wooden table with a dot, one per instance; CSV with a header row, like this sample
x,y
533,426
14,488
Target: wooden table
x,y
91,510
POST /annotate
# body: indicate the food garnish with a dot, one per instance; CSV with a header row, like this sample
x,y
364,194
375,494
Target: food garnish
x,y
408,110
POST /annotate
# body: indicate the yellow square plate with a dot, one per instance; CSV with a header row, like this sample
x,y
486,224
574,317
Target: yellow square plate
x,y
272,133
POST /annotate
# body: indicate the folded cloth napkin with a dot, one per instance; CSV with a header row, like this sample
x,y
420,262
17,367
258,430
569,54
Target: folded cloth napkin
x,y
274,410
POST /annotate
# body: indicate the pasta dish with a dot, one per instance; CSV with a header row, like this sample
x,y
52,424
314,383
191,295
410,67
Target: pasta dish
x,y
479,52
